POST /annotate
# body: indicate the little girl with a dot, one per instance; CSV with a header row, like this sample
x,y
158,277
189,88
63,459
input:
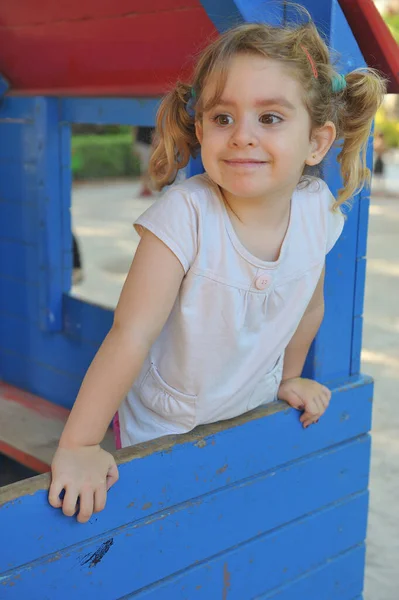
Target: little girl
x,y
225,293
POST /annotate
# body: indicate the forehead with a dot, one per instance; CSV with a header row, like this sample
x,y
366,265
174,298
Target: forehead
x,y
250,77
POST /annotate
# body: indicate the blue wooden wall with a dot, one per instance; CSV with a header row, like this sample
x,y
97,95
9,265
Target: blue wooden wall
x,y
256,508
253,508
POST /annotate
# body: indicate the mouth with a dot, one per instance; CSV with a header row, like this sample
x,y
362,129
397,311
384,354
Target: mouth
x,y
244,162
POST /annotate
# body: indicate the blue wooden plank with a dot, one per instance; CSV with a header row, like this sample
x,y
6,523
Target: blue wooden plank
x,y
46,137
331,355
357,338
19,221
17,109
109,111
360,280
55,351
235,574
18,300
85,321
363,222
18,181
16,144
19,261
337,580
65,207
172,540
215,461
67,262
24,372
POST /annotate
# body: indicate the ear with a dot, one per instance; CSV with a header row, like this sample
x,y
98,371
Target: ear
x,y
321,141
198,131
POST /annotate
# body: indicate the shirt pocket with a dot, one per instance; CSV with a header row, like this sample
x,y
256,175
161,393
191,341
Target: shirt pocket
x,y
267,388
167,402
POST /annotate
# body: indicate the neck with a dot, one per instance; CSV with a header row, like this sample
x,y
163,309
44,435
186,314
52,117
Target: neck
x,y
260,212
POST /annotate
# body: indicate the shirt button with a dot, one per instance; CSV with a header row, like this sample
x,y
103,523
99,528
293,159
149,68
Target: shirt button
x,y
263,281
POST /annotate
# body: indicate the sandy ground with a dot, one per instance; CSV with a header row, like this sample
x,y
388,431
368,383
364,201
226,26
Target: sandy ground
x,y
102,217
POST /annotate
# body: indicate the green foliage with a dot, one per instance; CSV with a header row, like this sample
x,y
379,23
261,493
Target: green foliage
x,y
98,156
390,129
393,23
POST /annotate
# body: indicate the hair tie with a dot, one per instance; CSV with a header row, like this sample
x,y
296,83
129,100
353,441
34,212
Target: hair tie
x,y
338,83
311,61
190,106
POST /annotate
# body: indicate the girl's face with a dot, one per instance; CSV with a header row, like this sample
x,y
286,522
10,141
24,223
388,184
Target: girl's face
x,y
256,142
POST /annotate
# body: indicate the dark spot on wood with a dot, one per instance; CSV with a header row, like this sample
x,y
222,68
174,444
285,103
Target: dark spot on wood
x,y
226,581
93,559
222,469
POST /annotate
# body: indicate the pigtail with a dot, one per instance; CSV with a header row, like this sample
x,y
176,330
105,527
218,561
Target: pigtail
x,y
175,140
362,96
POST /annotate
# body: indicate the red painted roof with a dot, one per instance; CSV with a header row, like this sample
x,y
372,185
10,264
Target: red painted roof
x,y
123,47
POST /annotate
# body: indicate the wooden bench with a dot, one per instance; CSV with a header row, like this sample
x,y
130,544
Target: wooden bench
x,y
30,428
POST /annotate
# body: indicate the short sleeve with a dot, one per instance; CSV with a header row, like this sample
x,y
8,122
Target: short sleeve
x,y
174,220
334,218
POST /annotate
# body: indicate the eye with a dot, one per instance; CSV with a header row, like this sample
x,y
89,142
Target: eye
x,y
223,120
270,119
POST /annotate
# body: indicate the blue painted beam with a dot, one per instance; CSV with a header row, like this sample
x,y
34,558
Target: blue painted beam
x,y
109,111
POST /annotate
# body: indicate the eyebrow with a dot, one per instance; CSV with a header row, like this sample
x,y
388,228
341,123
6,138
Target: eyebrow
x,y
277,101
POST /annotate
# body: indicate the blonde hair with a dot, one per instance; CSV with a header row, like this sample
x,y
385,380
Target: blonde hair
x,y
301,48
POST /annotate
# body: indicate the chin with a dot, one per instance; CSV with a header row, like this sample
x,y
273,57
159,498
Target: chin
x,y
246,191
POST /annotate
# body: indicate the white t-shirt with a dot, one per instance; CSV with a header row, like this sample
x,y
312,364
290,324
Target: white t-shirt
x,y
221,350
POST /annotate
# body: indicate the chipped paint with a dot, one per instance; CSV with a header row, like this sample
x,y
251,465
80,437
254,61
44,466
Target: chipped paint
x,y
93,559
146,506
222,469
200,444
226,581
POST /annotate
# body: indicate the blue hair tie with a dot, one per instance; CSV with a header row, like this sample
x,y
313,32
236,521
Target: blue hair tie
x,y
338,83
190,106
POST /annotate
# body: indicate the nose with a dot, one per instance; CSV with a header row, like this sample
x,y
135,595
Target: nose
x,y
243,135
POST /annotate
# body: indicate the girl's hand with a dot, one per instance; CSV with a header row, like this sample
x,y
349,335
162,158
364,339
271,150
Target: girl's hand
x,y
307,395
86,473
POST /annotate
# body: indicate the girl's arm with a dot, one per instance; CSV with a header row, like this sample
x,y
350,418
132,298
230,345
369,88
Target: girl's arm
x,y
304,394
298,348
146,300
80,466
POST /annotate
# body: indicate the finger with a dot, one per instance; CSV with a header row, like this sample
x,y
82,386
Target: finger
x,y
86,503
70,501
55,490
324,402
326,392
112,475
100,498
312,411
320,405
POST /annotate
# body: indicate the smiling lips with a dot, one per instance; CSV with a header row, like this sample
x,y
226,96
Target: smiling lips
x,y
244,162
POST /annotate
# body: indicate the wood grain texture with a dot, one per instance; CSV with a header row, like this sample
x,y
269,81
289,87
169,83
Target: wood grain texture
x,y
30,428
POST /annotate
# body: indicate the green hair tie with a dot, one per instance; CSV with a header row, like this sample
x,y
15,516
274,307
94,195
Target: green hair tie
x,y
338,83
193,94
